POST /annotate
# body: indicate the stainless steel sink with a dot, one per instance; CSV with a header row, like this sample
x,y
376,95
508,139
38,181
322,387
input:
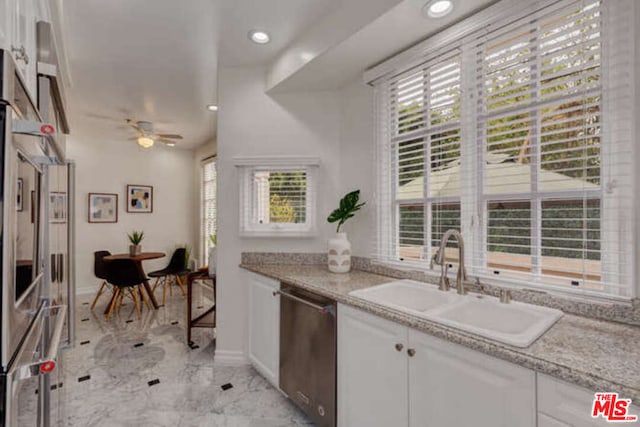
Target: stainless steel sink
x,y
516,323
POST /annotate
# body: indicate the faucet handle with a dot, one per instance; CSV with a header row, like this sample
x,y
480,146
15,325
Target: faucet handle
x,y
434,259
505,296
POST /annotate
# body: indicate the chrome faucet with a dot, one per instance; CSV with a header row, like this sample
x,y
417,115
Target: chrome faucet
x,y
440,259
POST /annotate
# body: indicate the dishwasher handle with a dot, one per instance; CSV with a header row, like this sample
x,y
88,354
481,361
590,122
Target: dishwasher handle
x,y
327,309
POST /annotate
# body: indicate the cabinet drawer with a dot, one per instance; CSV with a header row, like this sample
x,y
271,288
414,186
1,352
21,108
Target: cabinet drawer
x,y
569,404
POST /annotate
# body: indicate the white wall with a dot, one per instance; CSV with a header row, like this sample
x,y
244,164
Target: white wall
x,y
358,142
107,166
252,123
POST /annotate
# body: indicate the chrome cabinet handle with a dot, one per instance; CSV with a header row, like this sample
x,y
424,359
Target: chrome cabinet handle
x,y
411,352
399,347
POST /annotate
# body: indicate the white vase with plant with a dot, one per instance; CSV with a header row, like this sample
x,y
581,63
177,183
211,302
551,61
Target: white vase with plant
x,y
213,252
339,251
135,238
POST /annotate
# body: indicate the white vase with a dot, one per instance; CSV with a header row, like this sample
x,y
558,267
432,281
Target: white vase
x,y
213,252
339,256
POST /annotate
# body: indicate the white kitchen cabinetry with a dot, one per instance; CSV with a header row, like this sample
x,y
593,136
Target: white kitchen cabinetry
x,y
264,326
372,370
429,382
7,18
18,35
451,385
561,404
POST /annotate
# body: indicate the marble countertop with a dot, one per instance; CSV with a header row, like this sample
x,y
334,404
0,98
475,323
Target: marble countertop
x,y
599,355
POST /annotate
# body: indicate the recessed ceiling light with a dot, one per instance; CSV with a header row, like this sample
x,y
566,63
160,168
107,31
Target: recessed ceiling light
x,y
437,8
259,37
212,107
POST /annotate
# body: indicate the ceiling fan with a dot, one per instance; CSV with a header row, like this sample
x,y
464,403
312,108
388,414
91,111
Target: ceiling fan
x,y
147,137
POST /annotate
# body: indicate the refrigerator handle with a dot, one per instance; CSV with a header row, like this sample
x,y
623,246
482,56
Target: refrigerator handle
x,y
71,252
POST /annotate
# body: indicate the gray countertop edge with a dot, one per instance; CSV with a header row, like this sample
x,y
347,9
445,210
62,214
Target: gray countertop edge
x,y
486,346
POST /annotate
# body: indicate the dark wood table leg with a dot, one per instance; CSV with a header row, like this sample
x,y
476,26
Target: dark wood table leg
x,y
152,297
113,295
147,286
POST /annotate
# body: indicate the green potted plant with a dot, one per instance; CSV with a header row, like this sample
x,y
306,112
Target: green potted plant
x,y
135,238
339,255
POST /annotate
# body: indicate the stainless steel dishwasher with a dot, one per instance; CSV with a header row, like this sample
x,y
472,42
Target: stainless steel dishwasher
x,y
308,353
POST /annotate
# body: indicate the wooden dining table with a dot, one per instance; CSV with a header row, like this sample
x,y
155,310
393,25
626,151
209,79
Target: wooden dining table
x,y
143,256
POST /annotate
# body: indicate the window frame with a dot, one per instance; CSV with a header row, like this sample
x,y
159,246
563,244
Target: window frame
x,y
247,167
474,200
204,236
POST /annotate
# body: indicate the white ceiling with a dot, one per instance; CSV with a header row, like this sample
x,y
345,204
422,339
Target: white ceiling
x,y
156,60
152,60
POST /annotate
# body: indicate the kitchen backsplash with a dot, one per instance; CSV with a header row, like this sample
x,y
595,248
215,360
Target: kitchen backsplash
x,y
628,313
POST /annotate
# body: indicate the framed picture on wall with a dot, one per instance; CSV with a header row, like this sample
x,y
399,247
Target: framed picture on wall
x,y
20,196
57,207
103,208
139,198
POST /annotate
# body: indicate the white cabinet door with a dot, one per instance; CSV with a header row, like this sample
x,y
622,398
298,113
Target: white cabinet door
x,y
571,404
450,385
7,18
372,371
24,39
547,421
264,326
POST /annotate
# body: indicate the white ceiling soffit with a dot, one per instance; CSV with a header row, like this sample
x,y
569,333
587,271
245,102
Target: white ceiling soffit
x,y
326,34
394,31
152,60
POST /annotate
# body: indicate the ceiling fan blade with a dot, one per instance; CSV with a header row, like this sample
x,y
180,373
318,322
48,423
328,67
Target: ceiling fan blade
x,y
168,142
169,135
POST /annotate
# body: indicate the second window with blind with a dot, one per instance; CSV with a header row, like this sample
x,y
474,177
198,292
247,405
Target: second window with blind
x,y
516,138
277,197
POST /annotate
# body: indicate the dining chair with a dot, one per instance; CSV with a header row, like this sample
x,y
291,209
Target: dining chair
x,y
100,271
125,275
172,273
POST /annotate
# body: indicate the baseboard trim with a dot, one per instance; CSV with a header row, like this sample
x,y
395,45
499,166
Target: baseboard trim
x,y
227,357
86,291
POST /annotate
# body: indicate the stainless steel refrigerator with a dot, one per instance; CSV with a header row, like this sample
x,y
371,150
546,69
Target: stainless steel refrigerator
x,y
37,271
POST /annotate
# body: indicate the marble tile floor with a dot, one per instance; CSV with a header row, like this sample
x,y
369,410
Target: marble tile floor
x,y
130,372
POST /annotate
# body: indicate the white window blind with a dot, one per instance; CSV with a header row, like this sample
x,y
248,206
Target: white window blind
x,y
209,207
277,199
279,196
425,119
520,136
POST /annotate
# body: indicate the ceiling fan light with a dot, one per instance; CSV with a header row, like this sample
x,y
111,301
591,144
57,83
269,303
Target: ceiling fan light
x,y
145,142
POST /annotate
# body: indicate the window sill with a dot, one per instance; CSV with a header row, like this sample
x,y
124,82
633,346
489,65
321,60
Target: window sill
x,y
490,281
278,233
